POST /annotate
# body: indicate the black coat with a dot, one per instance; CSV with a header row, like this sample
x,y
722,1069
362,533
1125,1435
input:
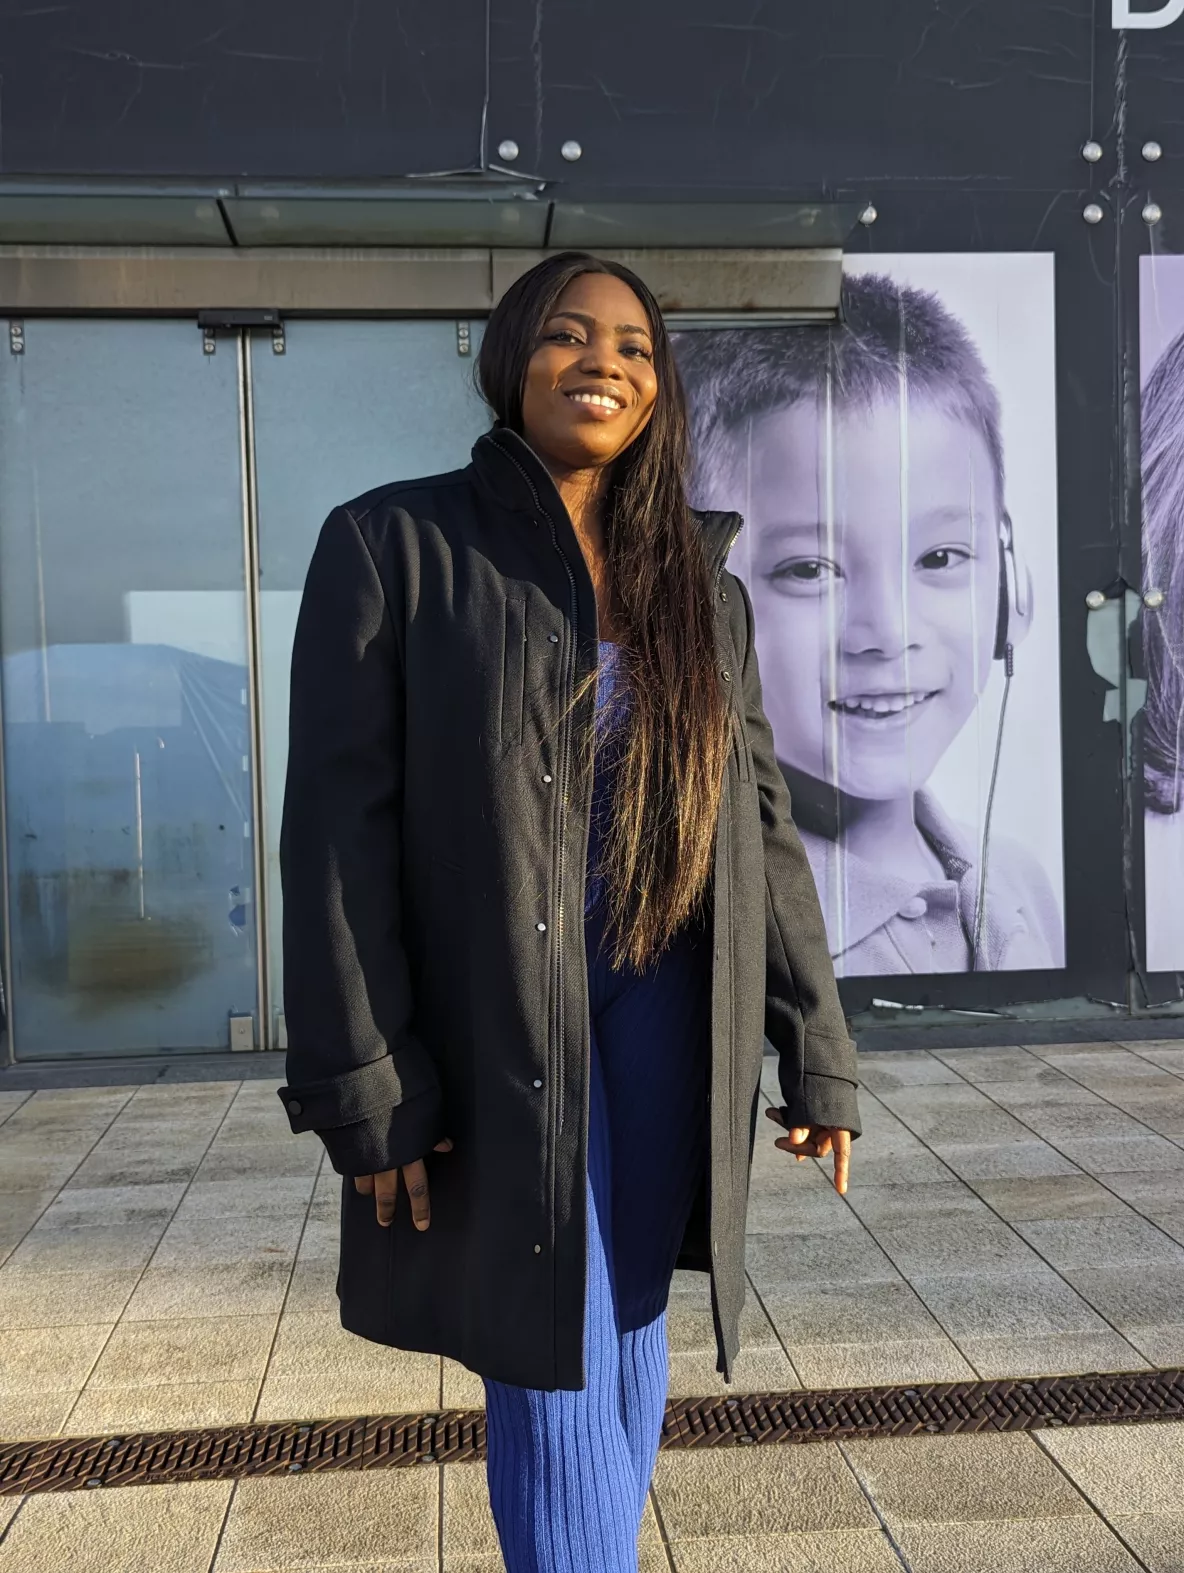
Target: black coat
x,y
433,860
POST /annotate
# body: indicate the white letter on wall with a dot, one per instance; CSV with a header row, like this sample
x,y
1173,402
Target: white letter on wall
x,y
1171,11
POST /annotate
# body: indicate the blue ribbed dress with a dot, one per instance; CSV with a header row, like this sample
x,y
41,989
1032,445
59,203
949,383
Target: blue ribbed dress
x,y
569,1471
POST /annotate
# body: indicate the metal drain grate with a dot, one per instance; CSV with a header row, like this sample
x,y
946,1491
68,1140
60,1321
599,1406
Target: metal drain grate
x,y
391,1441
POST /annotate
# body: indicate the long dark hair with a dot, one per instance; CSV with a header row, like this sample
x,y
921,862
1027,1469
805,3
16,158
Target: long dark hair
x,y
659,846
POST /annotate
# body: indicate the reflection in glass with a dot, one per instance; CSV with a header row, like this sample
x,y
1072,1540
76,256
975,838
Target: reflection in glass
x,y
127,737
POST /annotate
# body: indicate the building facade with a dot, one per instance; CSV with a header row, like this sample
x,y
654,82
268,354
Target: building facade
x,y
921,265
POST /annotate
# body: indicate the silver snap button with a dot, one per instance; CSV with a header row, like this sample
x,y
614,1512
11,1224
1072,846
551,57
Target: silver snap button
x,y
723,595
915,907
295,1108
727,676
554,638
537,1082
547,779
537,1249
542,927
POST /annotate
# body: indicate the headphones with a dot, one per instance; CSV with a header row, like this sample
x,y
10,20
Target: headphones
x,y
1015,594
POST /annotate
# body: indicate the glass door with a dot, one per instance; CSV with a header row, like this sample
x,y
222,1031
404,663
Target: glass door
x,y
349,405
126,694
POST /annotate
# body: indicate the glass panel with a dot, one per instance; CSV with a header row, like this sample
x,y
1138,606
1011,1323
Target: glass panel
x,y
349,406
127,737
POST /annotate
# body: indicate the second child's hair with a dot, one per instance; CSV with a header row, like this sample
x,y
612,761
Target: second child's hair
x,y
891,337
1163,569
659,849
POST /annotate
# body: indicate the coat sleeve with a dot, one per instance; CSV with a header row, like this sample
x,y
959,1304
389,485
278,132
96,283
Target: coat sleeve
x,y
804,1020
357,1076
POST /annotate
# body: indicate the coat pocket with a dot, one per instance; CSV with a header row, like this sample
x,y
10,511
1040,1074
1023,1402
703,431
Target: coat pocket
x,y
513,671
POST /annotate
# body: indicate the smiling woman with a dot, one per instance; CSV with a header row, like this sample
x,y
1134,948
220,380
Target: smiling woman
x,y
543,899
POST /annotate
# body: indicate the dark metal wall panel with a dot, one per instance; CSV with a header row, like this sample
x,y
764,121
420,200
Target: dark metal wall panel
x,y
687,97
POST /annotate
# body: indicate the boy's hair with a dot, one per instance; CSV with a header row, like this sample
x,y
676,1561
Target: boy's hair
x,y
1163,569
890,336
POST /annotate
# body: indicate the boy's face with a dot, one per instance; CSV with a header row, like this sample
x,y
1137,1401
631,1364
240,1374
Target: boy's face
x,y
875,580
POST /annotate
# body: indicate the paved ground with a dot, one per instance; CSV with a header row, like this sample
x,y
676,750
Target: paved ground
x,y
168,1261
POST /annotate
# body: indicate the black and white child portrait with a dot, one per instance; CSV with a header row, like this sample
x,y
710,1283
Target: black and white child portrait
x,y
891,566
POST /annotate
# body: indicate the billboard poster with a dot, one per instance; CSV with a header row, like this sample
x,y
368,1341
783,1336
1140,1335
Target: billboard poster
x,y
897,476
1161,336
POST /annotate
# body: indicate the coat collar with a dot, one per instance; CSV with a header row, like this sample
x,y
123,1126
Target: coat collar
x,y
508,470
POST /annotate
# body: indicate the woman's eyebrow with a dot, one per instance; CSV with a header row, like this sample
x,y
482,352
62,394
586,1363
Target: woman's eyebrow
x,y
590,322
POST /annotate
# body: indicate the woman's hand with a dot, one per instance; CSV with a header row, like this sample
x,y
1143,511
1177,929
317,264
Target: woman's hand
x,y
817,1141
384,1188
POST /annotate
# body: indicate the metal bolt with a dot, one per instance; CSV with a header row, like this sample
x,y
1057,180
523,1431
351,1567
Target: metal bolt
x,y
1154,599
1152,213
1152,152
1092,213
571,151
1095,599
1091,151
16,337
869,214
464,341
508,150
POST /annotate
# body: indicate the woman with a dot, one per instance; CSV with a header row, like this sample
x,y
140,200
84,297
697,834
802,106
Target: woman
x,y
542,897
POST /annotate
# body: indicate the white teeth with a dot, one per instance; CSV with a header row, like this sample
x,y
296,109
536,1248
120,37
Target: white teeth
x,y
879,704
596,398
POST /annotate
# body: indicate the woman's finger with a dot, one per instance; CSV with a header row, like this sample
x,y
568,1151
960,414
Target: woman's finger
x,y
443,1146
415,1178
800,1150
842,1160
386,1188
364,1184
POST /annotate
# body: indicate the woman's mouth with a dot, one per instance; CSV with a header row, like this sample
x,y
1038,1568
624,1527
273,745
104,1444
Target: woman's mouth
x,y
882,707
597,401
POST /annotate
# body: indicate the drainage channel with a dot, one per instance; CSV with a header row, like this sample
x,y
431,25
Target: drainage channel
x,y
391,1441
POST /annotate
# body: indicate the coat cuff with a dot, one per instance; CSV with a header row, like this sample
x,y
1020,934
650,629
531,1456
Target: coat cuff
x,y
386,1140
356,1094
825,1100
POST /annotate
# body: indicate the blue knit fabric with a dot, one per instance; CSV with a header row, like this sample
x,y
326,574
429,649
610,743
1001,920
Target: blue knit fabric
x,y
569,1471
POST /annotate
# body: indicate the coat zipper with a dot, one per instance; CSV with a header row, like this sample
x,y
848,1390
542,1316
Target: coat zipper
x,y
564,773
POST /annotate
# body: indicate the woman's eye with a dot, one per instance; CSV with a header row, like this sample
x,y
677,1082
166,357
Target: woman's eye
x,y
636,349
943,557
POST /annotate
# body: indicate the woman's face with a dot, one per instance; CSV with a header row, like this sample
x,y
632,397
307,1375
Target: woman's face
x,y
590,383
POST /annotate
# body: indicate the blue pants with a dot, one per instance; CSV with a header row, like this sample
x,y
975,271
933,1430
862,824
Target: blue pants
x,y
569,1471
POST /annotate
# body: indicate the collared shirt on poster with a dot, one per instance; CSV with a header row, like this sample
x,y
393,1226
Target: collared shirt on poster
x,y
880,924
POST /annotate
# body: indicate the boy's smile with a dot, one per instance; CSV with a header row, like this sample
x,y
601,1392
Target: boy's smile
x,y
875,581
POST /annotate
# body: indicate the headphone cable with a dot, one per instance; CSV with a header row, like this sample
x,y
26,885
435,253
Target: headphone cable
x,y
985,853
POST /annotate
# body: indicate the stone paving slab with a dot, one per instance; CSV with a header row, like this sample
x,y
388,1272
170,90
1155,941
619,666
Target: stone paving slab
x,y
1011,1212
167,1258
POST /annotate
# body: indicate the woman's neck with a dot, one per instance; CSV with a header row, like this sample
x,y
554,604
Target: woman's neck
x,y
584,493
